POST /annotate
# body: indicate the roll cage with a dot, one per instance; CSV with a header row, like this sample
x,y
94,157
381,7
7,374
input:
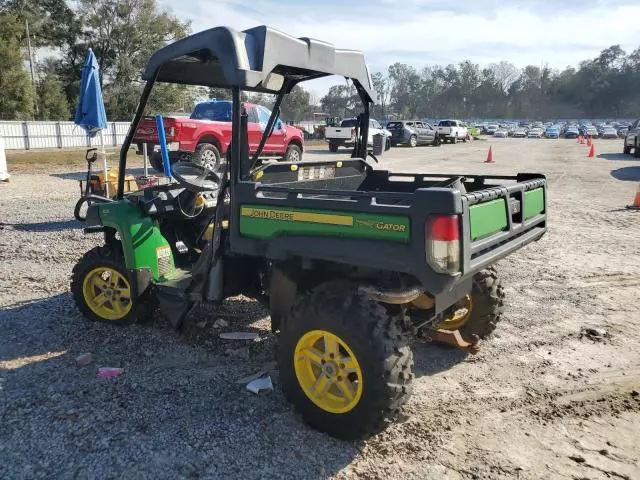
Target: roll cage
x,y
260,59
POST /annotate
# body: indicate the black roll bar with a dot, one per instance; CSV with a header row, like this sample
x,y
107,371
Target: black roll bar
x,y
132,129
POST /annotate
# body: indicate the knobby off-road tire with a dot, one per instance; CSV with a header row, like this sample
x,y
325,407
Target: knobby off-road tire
x,y
376,342
487,298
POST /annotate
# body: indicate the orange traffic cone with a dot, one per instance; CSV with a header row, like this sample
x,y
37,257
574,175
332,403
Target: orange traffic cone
x,y
589,141
581,140
592,151
489,156
636,201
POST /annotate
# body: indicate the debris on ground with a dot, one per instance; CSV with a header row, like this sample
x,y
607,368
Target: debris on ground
x,y
237,352
240,336
108,372
266,368
262,384
68,416
594,333
220,323
84,359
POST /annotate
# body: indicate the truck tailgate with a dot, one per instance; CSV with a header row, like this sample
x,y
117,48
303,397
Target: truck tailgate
x,y
341,133
501,219
146,131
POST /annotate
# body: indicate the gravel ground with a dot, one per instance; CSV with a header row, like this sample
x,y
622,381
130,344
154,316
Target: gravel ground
x,y
543,399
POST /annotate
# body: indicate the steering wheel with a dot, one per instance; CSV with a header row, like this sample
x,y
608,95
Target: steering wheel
x,y
195,178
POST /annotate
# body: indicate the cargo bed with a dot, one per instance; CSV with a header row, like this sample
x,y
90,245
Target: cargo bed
x,y
347,212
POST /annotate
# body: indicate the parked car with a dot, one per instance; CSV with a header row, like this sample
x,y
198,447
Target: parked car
x,y
608,132
519,132
345,134
452,131
591,131
552,132
205,136
535,133
632,139
622,131
501,133
492,128
571,132
412,133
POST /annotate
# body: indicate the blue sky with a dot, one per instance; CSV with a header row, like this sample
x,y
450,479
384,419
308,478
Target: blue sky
x,y
422,32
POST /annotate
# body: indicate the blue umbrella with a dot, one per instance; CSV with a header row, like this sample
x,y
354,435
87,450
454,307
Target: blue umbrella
x,y
90,114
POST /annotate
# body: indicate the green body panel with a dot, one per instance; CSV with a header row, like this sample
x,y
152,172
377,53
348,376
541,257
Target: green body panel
x,y
488,218
140,237
533,203
259,221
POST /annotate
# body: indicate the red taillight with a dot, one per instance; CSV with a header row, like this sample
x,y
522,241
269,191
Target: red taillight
x,y
444,227
442,243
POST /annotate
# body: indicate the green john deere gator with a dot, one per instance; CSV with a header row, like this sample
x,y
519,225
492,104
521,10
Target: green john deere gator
x,y
354,263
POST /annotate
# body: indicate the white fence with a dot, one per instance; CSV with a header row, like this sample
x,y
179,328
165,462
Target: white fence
x,y
30,135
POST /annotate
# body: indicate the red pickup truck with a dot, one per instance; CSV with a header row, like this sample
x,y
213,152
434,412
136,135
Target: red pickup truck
x,y
205,136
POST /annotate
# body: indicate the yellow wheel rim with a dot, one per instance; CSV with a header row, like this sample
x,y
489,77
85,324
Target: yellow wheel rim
x,y
107,293
460,316
328,371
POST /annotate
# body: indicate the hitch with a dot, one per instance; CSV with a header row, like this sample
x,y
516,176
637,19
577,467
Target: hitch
x,y
454,338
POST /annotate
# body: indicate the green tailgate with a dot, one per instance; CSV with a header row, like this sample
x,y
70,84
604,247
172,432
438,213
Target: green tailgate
x,y
259,221
488,218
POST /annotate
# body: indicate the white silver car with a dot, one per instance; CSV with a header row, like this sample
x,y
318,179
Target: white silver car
x,y
535,133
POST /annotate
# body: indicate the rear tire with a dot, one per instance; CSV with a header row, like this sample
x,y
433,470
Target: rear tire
x,y
436,141
155,159
626,150
333,148
294,154
487,297
373,362
208,156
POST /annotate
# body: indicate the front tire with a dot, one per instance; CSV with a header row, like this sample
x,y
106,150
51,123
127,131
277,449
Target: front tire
x,y
413,141
294,154
387,145
344,362
208,156
102,288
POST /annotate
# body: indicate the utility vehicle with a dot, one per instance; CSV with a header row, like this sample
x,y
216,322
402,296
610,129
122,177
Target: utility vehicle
x,y
354,263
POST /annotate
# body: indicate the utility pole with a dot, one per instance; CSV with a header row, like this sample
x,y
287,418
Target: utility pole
x,y
31,67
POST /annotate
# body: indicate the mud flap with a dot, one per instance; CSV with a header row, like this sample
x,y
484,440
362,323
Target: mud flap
x,y
173,304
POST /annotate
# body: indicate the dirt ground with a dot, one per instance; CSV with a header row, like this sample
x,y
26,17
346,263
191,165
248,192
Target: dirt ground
x,y
543,399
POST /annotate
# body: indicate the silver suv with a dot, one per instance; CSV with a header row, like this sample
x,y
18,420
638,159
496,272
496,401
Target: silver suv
x,y
632,139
